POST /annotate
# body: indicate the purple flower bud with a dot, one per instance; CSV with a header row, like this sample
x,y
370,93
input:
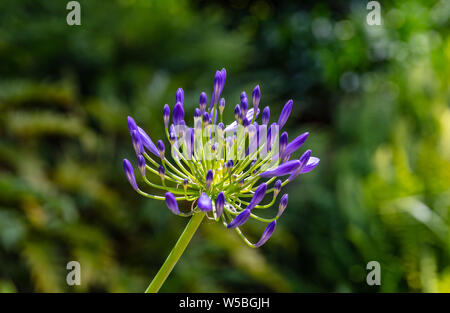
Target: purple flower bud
x,y
221,105
266,234
296,143
277,187
141,164
217,88
237,112
178,114
204,203
285,113
162,172
256,97
130,174
241,182
172,136
220,129
303,161
245,122
220,203
266,115
224,78
209,178
217,80
171,203
305,158
147,142
161,149
197,113
281,170
312,163
202,102
283,204
185,183
259,194
230,164
206,118
179,97
244,106
240,219
166,115
137,142
243,95
283,142
131,124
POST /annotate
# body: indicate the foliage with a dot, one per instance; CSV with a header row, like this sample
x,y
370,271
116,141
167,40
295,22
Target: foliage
x,y
376,99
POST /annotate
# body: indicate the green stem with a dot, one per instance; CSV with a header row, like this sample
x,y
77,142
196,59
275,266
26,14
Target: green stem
x,y
176,253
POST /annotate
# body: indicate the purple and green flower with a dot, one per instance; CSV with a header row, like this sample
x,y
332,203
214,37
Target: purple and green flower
x,y
213,169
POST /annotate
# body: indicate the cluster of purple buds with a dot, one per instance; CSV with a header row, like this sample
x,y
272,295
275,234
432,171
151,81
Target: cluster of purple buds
x,y
211,166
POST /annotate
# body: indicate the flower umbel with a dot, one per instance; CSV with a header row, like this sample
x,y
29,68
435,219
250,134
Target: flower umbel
x,y
218,168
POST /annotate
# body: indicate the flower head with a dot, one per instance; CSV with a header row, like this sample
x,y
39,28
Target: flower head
x,y
225,171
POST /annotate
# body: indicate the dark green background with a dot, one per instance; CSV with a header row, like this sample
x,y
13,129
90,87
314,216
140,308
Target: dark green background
x,y
375,100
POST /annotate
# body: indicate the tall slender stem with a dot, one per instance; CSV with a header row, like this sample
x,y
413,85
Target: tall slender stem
x,y
176,253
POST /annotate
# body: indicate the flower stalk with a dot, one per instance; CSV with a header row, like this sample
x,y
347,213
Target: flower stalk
x,y
176,253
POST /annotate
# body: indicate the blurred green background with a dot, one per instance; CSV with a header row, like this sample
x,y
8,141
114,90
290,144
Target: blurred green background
x,y
375,100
